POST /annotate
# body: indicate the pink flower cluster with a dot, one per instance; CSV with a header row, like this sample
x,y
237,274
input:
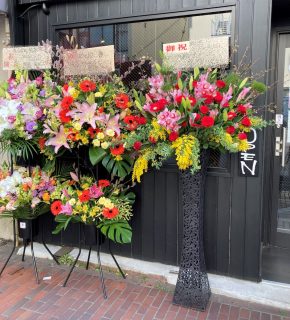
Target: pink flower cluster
x,y
168,119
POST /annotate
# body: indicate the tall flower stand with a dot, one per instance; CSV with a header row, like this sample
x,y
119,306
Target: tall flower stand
x,y
27,232
92,237
192,288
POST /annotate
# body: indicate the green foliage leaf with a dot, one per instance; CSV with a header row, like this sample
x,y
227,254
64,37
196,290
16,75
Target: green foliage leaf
x,y
225,115
118,168
196,72
259,86
63,221
96,155
91,98
180,84
158,67
117,231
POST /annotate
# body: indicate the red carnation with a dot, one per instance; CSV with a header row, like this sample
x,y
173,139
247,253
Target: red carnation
x,y
87,85
55,207
208,99
231,115
241,109
230,129
103,183
207,121
226,105
220,84
204,109
110,213
65,87
242,136
122,101
67,102
173,136
246,122
152,139
218,97
41,143
117,150
63,117
137,145
85,196
194,83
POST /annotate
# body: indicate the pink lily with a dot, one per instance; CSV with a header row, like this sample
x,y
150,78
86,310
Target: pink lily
x,y
59,140
84,113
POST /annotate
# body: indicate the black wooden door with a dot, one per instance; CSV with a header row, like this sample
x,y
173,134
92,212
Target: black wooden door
x,y
280,226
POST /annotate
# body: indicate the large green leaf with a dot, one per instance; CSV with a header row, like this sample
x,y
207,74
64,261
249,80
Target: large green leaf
x,y
117,168
117,231
96,155
63,221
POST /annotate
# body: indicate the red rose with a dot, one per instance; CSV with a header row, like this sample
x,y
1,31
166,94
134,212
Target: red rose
x,y
218,97
204,109
231,115
117,150
241,109
87,85
122,101
246,122
110,213
173,136
141,120
103,183
137,145
194,83
178,99
220,84
192,101
226,105
85,196
242,136
184,124
152,139
63,117
65,87
207,121
230,130
55,207
67,102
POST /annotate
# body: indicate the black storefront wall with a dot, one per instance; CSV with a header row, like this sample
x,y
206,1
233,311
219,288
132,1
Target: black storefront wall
x,y
233,212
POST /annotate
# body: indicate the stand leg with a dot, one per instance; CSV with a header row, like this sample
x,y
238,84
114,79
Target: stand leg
x,y
101,271
24,249
116,262
14,246
48,250
76,260
33,256
88,261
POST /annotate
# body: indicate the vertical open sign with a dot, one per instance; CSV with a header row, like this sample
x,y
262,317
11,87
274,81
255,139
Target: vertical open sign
x,y
248,160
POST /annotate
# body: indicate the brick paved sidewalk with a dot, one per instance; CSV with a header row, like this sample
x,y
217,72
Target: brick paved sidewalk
x,y
22,298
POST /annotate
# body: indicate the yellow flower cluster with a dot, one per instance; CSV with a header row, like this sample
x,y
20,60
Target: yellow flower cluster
x,y
140,167
183,150
243,145
158,132
107,203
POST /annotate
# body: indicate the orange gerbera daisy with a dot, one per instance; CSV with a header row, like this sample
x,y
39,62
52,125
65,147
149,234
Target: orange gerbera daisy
x,y
110,213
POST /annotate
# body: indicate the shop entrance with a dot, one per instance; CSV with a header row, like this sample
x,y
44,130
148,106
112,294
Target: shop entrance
x,y
276,256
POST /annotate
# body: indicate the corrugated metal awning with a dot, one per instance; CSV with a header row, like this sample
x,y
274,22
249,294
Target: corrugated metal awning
x,y
3,6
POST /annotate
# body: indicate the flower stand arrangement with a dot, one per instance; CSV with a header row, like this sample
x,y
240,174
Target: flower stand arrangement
x,y
178,114
24,197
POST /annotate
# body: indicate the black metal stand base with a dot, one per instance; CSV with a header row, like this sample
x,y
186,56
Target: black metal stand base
x,y
192,288
26,242
98,244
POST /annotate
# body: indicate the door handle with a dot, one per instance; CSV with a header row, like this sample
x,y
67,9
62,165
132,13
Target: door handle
x,y
284,146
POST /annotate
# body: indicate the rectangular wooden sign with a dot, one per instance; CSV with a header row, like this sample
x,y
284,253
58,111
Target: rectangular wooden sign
x,y
27,58
90,61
